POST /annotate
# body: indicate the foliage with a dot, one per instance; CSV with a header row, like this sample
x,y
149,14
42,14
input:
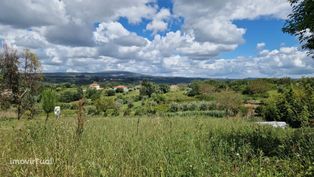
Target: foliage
x,y
30,82
92,94
147,89
258,86
48,98
110,92
163,88
9,62
104,104
295,106
230,101
158,98
69,95
193,89
300,23
21,77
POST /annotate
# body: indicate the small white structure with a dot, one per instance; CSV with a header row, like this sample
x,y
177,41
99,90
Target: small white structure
x,y
274,124
57,111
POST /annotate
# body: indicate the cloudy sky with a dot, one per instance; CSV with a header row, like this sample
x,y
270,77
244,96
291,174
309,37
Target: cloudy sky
x,y
204,38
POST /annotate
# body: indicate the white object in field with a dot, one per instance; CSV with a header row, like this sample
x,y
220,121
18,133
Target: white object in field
x,y
274,124
57,111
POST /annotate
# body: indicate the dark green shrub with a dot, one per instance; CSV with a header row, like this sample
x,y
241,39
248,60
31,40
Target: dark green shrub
x,y
70,95
158,98
110,92
92,94
164,88
290,106
203,106
174,107
148,88
119,90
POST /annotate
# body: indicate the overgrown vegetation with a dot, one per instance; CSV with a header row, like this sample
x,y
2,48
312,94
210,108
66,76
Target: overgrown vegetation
x,y
192,146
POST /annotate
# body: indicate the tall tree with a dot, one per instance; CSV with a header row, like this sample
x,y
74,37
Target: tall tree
x,y
48,99
21,78
300,23
9,62
147,88
30,78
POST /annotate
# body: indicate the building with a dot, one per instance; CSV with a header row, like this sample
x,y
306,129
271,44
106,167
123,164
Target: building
x,y
95,86
121,87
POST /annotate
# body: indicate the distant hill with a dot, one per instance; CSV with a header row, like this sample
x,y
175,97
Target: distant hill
x,y
112,76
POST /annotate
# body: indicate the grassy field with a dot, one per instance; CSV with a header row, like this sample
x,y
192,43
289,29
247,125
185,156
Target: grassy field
x,y
158,146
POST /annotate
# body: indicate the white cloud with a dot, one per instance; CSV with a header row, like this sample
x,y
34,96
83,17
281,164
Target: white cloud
x,y
260,46
27,13
159,22
62,33
212,21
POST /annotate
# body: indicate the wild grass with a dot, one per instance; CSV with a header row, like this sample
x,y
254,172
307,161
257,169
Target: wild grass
x,y
194,146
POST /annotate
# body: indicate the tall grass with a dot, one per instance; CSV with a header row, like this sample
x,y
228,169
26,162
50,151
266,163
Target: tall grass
x,y
195,146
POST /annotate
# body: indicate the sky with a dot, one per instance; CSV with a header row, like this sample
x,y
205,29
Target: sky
x,y
199,38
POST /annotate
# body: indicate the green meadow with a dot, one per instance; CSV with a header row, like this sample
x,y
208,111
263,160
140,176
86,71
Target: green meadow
x,y
155,146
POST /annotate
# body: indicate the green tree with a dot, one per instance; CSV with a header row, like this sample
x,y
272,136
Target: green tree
x,y
258,86
300,23
293,105
9,62
193,89
92,94
30,82
48,99
103,104
164,88
21,78
229,101
147,89
70,95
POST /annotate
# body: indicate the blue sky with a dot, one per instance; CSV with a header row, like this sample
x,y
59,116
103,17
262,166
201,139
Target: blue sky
x,y
263,30
216,39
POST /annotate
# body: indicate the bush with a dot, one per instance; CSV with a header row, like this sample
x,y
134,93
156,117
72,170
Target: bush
x,y
70,95
258,86
203,106
104,103
290,106
48,99
158,98
92,94
110,92
119,90
164,88
147,89
174,107
229,101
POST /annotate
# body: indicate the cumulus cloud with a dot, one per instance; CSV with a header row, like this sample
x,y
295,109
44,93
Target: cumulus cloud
x,y
27,13
114,32
215,18
159,22
64,36
260,46
70,34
